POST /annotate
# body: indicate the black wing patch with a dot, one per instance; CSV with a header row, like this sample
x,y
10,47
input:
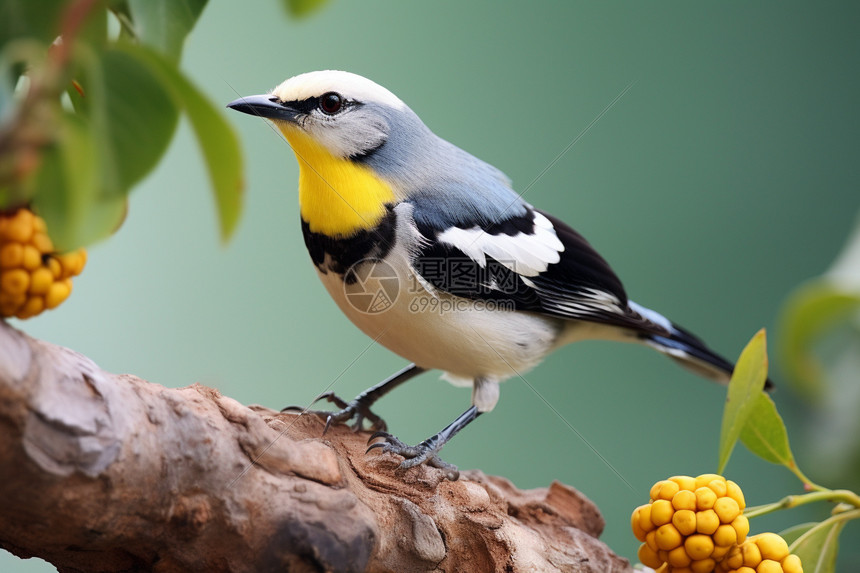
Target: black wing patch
x,y
574,282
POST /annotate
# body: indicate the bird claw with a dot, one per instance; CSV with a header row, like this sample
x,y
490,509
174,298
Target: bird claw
x,y
333,398
423,453
354,410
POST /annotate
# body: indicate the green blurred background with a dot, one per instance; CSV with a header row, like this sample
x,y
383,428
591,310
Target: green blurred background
x,y
726,176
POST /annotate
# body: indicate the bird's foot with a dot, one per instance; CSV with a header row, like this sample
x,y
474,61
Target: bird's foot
x,y
427,452
355,410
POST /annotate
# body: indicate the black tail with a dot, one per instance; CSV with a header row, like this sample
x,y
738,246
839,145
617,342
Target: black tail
x,y
691,353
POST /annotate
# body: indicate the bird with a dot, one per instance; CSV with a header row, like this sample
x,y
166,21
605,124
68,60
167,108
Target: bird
x,y
433,254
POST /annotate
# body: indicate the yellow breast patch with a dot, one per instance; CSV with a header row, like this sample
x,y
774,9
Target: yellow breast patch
x,y
337,197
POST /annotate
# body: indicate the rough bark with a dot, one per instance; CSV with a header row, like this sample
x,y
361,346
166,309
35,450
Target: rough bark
x,y
103,472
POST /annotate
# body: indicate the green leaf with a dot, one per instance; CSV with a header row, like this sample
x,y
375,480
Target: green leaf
x,y
125,121
163,25
794,532
67,191
216,137
300,8
746,384
764,433
38,19
95,28
133,116
811,311
122,13
818,546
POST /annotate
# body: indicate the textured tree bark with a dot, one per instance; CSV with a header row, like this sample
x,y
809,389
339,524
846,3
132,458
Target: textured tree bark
x,y
103,472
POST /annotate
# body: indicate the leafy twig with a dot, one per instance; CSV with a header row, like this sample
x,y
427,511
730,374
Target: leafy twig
x,y
30,128
791,501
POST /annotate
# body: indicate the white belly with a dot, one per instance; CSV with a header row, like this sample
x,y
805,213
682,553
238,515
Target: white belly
x,y
466,339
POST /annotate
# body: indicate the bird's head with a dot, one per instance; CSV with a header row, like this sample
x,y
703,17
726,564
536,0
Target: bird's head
x,y
360,148
353,140
347,114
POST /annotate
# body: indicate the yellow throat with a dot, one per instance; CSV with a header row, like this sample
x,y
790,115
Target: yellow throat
x,y
337,197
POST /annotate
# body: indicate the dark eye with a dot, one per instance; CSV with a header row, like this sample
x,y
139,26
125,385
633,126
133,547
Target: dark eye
x,y
330,103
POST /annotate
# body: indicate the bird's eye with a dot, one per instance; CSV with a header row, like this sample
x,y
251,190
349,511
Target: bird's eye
x,y
331,103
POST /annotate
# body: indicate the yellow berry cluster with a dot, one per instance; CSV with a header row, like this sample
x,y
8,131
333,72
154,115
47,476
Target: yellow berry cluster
x,y
762,553
696,525
691,523
32,276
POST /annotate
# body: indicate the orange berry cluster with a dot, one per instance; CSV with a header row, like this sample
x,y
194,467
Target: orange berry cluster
x,y
691,523
32,276
762,553
696,525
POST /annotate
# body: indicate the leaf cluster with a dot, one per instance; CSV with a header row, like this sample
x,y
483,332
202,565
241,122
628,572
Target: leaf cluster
x,y
751,416
90,96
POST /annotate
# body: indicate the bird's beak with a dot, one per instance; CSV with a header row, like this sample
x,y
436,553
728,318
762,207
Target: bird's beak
x,y
266,106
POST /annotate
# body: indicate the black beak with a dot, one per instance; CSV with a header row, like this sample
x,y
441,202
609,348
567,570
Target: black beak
x,y
266,106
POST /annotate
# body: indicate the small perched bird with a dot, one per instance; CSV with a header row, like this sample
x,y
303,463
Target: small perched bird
x,y
432,253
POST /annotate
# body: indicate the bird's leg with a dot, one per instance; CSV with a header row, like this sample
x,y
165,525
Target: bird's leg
x,y
359,408
428,450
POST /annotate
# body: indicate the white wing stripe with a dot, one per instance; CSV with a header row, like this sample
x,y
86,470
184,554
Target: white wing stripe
x,y
467,240
525,254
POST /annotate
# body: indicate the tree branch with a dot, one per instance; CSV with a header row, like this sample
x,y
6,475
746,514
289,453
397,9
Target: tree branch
x,y
103,472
